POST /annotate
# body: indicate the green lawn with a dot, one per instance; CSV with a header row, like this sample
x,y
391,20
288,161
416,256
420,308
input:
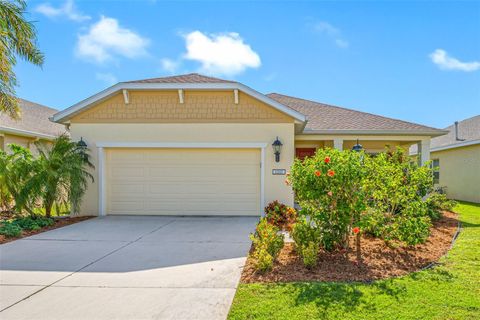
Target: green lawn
x,y
449,291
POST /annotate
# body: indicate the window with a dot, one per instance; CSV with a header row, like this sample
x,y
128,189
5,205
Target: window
x,y
436,171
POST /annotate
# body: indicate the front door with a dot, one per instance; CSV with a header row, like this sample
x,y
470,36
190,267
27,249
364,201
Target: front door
x,y
301,153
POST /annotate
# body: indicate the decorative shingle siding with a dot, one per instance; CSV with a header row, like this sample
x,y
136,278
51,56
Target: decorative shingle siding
x,y
198,106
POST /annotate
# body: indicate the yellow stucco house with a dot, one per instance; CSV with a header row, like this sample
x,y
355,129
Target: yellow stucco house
x,y
197,145
32,126
456,157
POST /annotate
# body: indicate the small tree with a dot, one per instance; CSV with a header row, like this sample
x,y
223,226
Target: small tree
x,y
60,174
15,171
329,188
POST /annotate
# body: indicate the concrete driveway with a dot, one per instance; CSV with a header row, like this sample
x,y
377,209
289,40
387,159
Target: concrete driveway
x,y
126,267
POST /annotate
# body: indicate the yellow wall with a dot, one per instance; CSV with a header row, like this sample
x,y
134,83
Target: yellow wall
x,y
27,142
164,107
275,188
460,172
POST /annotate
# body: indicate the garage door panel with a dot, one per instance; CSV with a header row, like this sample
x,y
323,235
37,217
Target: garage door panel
x,y
183,181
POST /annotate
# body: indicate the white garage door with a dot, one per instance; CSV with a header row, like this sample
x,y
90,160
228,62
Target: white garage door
x,y
183,181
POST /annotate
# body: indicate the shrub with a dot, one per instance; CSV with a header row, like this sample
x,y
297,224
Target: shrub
x,y
267,244
266,236
10,229
309,254
27,224
263,260
328,187
33,222
438,202
307,240
396,189
280,215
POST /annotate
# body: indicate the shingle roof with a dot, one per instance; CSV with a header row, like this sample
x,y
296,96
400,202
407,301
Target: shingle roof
x,y
468,131
327,117
34,118
184,78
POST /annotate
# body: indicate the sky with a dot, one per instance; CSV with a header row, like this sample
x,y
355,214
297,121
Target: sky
x,y
417,61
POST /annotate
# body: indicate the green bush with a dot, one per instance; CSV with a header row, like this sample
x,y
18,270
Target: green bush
x,y
10,229
267,243
307,240
309,254
280,215
328,187
396,188
438,202
33,223
263,260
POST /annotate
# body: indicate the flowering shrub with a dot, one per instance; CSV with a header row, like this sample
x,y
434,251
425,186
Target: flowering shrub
x,y
328,187
267,244
280,215
396,189
386,196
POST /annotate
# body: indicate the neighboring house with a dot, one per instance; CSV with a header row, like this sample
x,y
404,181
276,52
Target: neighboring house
x,y
33,125
197,145
456,157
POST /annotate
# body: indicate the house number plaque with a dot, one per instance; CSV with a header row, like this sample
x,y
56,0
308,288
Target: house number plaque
x,y
279,172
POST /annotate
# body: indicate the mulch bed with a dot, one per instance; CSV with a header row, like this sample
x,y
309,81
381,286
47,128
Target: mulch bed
x,y
379,260
59,222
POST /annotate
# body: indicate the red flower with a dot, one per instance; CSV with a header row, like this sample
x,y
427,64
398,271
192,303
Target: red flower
x,y
331,173
327,159
330,193
287,182
318,173
356,230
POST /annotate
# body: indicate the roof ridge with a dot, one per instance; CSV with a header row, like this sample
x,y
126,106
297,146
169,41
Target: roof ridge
x,y
179,76
348,109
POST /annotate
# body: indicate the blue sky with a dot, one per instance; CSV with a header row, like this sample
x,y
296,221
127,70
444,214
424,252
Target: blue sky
x,y
417,61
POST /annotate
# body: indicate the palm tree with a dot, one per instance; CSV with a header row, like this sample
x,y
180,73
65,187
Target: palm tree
x,y
17,38
60,174
15,170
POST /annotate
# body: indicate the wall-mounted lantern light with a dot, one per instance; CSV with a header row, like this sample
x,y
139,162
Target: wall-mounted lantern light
x,y
277,147
82,144
357,147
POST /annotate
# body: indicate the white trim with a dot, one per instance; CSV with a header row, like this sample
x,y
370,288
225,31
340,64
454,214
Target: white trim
x,y
125,96
26,133
235,96
190,145
101,182
181,96
64,115
452,146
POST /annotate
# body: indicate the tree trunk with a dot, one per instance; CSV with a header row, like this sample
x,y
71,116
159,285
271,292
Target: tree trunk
x,y
359,252
48,210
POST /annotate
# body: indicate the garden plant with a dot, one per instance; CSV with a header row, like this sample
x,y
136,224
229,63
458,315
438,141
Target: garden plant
x,y
35,186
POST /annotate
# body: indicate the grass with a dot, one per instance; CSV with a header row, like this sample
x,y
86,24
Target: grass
x,y
448,291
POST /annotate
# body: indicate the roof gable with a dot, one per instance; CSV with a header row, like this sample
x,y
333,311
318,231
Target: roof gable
x,y
183,82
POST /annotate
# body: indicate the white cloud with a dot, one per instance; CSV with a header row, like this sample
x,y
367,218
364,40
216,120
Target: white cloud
x,y
108,78
332,32
225,54
107,38
445,62
68,10
169,65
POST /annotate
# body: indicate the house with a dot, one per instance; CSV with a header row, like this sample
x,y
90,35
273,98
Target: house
x,y
456,159
33,125
197,145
